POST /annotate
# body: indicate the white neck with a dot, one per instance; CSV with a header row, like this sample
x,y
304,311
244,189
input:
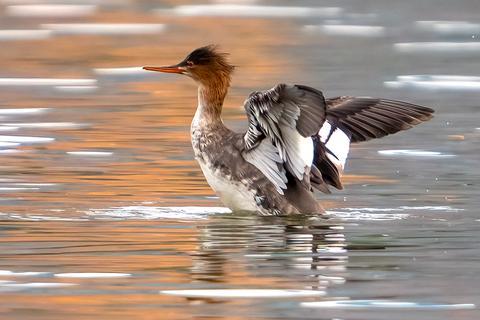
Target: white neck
x,y
210,101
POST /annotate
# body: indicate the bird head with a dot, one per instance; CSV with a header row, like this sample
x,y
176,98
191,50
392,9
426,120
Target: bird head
x,y
204,65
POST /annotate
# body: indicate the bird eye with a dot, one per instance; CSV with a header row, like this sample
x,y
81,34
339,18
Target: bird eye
x,y
190,63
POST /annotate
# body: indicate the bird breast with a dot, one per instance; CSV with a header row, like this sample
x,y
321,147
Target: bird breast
x,y
234,194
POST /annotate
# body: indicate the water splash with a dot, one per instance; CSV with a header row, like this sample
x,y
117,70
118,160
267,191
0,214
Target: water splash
x,y
151,213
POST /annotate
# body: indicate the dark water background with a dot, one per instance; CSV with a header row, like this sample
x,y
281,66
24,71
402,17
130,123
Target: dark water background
x,y
103,211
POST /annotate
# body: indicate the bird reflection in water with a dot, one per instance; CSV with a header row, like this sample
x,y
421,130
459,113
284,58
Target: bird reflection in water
x,y
268,248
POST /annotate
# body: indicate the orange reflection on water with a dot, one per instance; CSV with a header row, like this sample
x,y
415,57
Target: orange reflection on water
x,y
139,122
142,122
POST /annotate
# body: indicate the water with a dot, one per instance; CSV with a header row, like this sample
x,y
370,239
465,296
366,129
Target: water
x,y
104,214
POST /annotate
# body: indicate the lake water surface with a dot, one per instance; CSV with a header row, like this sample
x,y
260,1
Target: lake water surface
x,y
104,214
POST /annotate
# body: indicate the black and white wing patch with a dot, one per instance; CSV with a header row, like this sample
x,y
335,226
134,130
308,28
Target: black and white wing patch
x,y
294,130
282,121
332,145
357,119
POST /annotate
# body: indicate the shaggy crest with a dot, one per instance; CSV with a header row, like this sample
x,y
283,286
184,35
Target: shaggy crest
x,y
209,56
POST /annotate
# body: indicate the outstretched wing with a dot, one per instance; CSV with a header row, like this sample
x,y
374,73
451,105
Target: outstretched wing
x,y
281,123
294,130
357,119
366,118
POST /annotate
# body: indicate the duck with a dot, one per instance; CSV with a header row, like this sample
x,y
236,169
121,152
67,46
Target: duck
x,y
297,141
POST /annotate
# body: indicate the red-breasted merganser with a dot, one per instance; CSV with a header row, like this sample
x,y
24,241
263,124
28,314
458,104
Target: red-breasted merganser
x,y
296,140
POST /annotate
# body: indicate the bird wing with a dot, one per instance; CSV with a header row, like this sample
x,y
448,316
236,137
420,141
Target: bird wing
x,y
357,119
293,130
281,123
365,118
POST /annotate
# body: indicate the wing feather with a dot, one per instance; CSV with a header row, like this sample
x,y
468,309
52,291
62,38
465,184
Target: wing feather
x,y
266,158
283,118
294,131
356,119
367,118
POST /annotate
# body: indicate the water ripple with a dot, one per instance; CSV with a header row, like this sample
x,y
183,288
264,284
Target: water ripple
x,y
386,304
24,34
435,82
46,82
22,111
414,153
238,10
92,275
50,10
398,213
347,30
147,213
437,47
104,28
243,293
25,139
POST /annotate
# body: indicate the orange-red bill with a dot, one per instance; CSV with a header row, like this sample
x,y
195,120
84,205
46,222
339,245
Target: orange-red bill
x,y
170,69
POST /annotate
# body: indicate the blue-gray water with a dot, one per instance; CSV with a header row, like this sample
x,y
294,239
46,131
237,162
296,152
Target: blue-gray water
x,y
105,215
